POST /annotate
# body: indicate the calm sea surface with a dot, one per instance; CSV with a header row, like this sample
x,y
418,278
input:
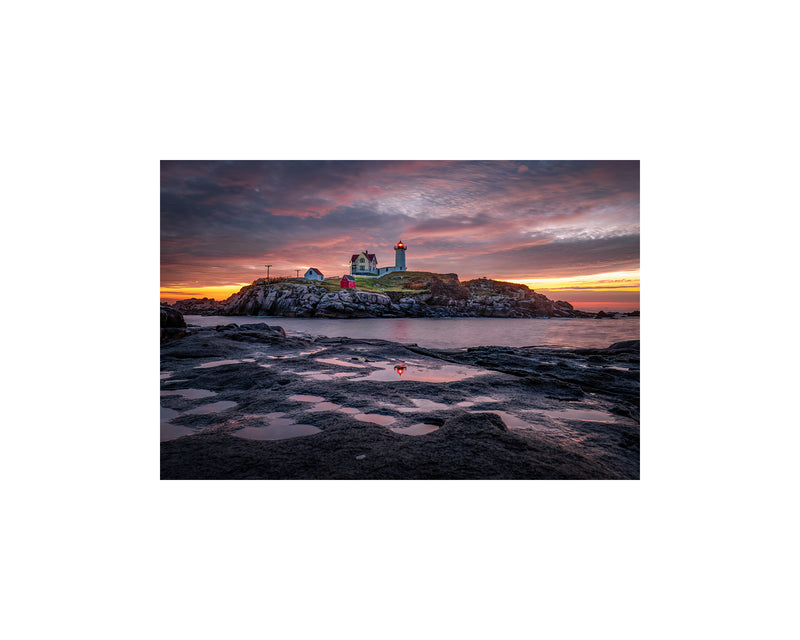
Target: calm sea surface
x,y
453,333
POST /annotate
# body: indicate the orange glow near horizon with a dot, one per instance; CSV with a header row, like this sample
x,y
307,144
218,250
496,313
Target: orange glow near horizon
x,y
614,281
219,293
617,290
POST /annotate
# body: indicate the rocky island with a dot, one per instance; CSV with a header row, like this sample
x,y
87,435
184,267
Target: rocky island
x,y
411,294
250,401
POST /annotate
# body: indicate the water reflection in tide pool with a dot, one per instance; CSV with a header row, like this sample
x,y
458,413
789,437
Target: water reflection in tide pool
x,y
375,418
427,405
478,400
420,404
324,406
299,355
168,414
422,373
418,429
219,363
320,404
190,394
214,407
340,362
171,431
326,375
276,429
418,372
302,398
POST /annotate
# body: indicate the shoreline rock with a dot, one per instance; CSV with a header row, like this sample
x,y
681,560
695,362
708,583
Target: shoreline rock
x,y
504,413
482,298
173,326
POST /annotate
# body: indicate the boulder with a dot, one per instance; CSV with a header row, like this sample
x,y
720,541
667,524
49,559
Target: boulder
x,y
173,326
171,318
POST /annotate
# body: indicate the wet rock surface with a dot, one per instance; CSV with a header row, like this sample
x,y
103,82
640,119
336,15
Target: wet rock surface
x,y
249,395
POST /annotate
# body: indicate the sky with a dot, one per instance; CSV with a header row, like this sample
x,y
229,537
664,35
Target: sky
x,y
567,229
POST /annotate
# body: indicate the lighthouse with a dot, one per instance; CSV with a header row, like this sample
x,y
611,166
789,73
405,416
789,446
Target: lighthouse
x,y
400,256
366,263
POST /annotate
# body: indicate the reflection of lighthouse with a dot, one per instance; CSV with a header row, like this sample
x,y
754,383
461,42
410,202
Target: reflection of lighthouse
x,y
400,256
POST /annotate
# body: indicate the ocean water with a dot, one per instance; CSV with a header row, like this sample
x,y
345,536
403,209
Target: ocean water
x,y
454,333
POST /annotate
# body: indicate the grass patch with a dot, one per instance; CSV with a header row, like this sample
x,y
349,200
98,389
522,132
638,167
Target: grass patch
x,y
402,281
412,281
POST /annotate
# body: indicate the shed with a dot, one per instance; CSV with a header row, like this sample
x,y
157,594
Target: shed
x,y
313,274
347,282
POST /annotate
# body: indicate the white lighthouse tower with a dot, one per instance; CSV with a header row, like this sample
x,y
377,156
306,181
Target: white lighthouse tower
x,y
400,256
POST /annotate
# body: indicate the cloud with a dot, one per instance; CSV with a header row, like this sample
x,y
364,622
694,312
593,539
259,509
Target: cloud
x,y
564,258
221,220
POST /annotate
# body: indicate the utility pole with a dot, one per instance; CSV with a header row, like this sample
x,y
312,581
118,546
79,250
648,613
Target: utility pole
x,y
297,271
267,266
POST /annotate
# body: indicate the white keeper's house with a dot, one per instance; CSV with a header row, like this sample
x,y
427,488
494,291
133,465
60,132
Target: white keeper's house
x,y
366,263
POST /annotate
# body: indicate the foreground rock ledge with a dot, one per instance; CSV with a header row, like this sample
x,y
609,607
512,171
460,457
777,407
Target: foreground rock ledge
x,y
472,442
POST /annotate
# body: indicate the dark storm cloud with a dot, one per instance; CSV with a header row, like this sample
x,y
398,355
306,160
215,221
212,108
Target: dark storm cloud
x,y
562,258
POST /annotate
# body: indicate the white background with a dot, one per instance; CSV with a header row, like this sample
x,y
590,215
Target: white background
x,y
96,546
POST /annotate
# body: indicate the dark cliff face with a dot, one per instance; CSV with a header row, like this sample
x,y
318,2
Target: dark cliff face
x,y
306,301
442,298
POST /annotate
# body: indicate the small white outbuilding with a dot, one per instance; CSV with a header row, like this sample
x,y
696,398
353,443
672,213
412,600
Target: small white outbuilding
x,y
314,274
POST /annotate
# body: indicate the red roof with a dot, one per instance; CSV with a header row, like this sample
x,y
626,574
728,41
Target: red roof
x,y
370,256
315,270
347,282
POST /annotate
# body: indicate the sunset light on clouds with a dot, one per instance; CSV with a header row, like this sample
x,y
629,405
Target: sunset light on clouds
x,y
569,229
610,291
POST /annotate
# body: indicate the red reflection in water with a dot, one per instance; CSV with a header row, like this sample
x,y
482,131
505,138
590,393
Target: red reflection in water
x,y
399,368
